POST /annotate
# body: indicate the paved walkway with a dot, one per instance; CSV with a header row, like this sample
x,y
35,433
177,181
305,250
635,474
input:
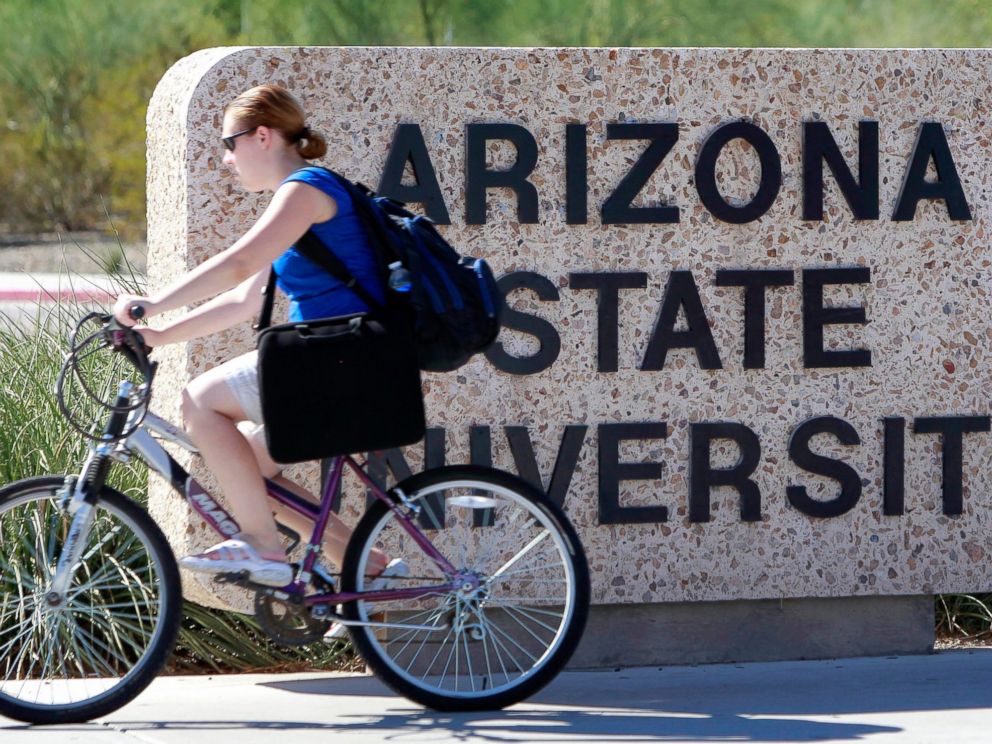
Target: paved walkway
x,y
945,697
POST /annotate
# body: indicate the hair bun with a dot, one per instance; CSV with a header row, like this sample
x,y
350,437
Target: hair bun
x,y
314,147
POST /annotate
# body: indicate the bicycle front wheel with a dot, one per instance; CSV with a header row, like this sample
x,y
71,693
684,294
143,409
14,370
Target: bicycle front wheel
x,y
82,655
517,614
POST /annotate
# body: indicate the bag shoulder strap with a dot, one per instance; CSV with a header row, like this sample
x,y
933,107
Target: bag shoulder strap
x,y
265,317
369,208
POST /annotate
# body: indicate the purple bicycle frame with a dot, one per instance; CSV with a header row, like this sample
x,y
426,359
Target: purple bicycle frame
x,y
224,524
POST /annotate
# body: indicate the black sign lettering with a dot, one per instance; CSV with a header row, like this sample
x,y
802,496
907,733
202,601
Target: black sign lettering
x,y
478,178
816,316
408,147
893,466
952,430
539,328
576,183
771,173
703,476
617,208
612,472
522,450
931,144
847,476
681,292
607,315
754,283
480,452
819,146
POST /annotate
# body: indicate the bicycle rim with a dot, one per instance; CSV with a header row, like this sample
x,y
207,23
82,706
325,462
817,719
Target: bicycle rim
x,y
104,642
492,645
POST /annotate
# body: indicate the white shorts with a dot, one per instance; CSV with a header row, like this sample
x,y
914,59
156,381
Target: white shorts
x,y
241,376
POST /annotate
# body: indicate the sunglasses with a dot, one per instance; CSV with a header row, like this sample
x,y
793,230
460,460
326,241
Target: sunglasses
x,y
229,139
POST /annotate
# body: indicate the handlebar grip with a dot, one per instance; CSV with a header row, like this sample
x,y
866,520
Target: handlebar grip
x,y
137,312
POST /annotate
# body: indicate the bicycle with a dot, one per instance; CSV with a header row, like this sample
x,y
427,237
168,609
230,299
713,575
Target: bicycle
x,y
494,605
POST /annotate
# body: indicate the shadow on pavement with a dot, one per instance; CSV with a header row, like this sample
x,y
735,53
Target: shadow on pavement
x,y
821,688
837,700
517,726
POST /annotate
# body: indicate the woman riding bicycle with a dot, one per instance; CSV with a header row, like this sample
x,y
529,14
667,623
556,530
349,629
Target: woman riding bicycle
x,y
268,145
488,592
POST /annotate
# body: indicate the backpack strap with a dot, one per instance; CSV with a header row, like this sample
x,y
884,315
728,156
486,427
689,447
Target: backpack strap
x,y
312,247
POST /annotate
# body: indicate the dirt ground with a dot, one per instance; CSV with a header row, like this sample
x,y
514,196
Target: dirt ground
x,y
82,254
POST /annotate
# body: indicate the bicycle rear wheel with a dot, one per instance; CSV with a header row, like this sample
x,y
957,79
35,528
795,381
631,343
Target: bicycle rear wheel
x,y
95,649
515,621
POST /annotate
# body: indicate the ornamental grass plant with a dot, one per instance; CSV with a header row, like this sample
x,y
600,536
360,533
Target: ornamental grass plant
x,y
964,620
35,439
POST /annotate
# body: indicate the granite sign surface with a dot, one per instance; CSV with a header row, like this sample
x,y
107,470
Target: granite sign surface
x,y
747,339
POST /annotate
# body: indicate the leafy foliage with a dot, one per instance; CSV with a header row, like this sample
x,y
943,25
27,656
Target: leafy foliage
x,y
75,77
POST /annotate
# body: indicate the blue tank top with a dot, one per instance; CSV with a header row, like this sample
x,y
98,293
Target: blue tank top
x,y
312,292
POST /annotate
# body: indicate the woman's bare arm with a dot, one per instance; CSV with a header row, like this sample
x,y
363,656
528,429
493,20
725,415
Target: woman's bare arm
x,y
223,311
294,208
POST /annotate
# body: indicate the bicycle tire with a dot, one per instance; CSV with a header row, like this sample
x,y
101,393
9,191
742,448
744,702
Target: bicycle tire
x,y
533,609
108,640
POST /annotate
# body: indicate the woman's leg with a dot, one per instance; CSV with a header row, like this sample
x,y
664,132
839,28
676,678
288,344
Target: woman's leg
x,y
336,535
210,411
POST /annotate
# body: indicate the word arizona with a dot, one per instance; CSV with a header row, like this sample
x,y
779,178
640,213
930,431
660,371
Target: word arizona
x,y
861,191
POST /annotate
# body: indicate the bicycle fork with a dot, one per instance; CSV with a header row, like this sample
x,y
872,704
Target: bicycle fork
x,y
79,498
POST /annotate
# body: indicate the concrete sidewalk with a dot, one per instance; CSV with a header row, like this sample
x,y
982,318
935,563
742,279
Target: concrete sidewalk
x,y
946,697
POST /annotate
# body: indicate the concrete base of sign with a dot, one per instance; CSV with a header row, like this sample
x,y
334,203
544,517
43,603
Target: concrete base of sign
x,y
755,630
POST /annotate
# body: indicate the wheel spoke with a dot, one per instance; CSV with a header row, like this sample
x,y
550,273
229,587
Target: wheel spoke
x,y
106,572
436,615
499,645
468,659
9,645
511,609
511,602
524,551
437,655
88,651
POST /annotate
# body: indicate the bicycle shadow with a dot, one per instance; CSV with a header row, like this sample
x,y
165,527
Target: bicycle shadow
x,y
659,721
606,725
550,716
773,702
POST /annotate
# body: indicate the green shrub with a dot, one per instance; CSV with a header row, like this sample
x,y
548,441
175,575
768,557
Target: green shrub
x,y
36,440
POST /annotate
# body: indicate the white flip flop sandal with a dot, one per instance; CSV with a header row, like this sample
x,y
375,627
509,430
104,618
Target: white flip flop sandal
x,y
234,556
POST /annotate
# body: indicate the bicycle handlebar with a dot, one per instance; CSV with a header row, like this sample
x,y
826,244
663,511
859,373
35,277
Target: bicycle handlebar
x,y
120,338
